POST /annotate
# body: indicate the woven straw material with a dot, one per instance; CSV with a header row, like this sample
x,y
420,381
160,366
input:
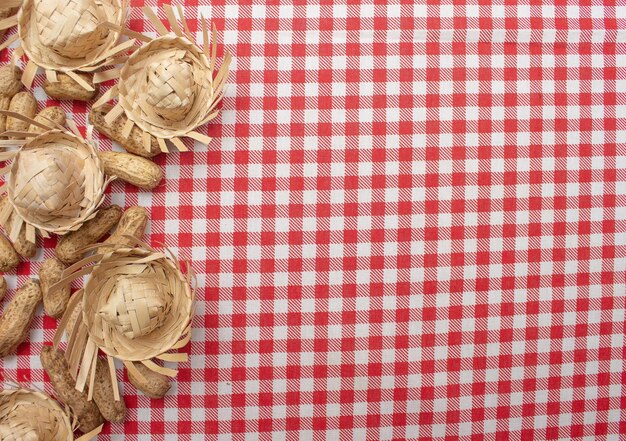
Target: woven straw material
x,y
30,415
70,35
71,28
144,90
169,86
153,332
137,305
49,183
55,183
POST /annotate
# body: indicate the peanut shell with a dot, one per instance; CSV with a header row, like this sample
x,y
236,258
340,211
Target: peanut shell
x,y
70,247
153,385
111,410
17,317
133,223
68,89
53,113
69,327
10,79
23,247
9,259
134,143
141,172
54,303
25,104
87,413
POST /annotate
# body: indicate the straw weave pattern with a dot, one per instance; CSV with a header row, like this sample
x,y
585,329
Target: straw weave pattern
x,y
27,415
49,183
56,182
171,88
136,284
67,35
71,27
137,306
178,94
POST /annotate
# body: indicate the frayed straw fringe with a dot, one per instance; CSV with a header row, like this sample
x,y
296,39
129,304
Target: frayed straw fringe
x,y
169,86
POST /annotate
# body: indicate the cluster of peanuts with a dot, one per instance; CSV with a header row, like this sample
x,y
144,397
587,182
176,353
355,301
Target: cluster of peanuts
x,y
133,167
19,313
136,170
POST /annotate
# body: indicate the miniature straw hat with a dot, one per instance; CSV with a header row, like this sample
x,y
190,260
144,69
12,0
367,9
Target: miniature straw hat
x,y
54,183
169,86
27,415
69,36
31,415
137,305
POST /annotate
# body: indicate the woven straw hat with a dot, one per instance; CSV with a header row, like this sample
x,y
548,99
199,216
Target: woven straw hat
x,y
137,306
55,181
169,86
29,415
69,36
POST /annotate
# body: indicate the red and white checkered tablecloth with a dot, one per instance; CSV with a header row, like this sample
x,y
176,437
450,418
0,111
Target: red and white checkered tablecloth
x,y
411,224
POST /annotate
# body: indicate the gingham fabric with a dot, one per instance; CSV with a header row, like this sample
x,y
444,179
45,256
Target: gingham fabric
x,y
411,224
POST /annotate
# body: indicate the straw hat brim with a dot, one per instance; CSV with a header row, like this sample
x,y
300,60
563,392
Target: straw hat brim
x,y
26,413
90,334
131,89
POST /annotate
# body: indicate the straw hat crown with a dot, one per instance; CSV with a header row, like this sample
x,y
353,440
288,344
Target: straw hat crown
x,y
71,28
171,88
137,306
49,182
